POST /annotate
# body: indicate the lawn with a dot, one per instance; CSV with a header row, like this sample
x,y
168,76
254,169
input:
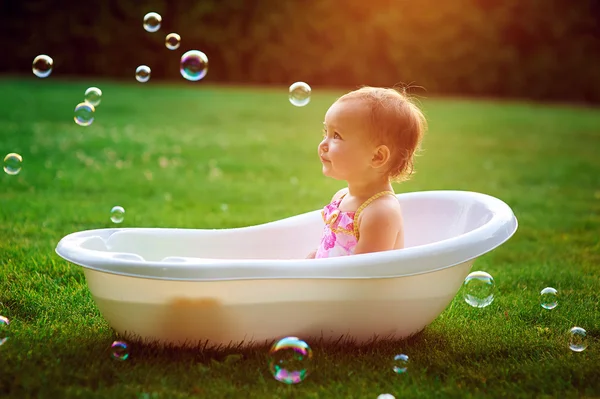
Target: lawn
x,y
198,156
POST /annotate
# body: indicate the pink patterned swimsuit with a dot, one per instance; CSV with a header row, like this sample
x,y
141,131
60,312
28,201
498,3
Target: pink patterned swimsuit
x,y
340,234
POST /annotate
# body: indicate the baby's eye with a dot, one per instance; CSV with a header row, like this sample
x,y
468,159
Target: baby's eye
x,y
335,135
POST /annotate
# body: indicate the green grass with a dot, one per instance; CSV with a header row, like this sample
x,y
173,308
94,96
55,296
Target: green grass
x,y
172,155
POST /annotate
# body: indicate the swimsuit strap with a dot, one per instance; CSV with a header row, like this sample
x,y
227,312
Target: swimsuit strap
x,y
364,205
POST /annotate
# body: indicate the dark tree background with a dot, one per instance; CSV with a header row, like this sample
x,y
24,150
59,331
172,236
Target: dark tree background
x,y
537,49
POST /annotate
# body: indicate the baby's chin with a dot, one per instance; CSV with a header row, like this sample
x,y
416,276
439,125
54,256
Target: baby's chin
x,y
329,173
326,170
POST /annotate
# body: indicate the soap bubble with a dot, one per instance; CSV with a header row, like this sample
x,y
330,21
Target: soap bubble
x,y
152,22
142,73
93,95
479,289
42,66
120,350
386,396
300,94
289,360
172,41
193,65
117,214
400,364
577,339
548,298
12,163
3,330
84,114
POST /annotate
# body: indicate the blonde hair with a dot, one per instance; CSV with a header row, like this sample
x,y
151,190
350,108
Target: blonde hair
x,y
397,123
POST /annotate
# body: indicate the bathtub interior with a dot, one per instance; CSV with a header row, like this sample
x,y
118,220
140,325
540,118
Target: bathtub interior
x,y
427,219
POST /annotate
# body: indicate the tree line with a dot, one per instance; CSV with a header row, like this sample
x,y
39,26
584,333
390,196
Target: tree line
x,y
537,49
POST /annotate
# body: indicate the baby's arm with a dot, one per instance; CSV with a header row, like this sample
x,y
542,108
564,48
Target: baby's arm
x,y
379,227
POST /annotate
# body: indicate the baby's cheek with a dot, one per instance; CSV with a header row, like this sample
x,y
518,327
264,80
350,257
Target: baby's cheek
x,y
333,152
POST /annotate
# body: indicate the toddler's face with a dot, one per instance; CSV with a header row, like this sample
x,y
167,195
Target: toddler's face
x,y
345,150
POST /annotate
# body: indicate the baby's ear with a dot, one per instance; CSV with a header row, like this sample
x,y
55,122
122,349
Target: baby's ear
x,y
381,156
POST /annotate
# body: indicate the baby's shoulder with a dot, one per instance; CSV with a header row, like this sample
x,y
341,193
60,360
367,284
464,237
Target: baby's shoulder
x,y
386,207
339,194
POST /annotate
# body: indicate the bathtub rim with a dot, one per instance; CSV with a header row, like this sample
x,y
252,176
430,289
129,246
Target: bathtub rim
x,y
502,226
374,277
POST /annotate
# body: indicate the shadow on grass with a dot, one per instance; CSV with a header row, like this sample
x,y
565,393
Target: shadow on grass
x,y
205,352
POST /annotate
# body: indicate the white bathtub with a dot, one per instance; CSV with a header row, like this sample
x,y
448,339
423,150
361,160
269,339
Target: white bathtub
x,y
251,284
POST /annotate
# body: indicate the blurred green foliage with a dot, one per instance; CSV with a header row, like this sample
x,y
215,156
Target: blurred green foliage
x,y
537,49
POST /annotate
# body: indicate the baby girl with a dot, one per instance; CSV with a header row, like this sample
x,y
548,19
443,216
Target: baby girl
x,y
370,137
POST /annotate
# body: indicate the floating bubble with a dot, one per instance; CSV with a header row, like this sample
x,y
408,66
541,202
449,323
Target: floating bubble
x,y
577,339
300,94
12,163
386,396
120,350
142,73
3,330
548,298
172,41
152,22
479,289
289,360
93,95
400,364
193,65
42,66
84,114
117,214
